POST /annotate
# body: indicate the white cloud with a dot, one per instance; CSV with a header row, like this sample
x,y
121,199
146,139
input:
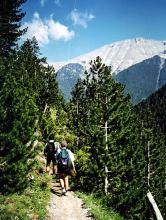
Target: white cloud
x,y
45,30
58,31
81,18
38,29
57,2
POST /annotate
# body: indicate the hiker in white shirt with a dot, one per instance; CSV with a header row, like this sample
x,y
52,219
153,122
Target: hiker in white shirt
x,y
65,160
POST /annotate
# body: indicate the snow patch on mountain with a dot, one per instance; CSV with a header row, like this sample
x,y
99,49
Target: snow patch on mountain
x,y
162,62
121,54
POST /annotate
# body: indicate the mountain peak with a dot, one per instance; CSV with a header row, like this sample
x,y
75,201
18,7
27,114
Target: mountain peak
x,y
139,64
121,54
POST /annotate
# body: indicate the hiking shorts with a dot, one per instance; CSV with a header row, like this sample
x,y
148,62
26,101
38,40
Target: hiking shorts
x,y
50,158
63,170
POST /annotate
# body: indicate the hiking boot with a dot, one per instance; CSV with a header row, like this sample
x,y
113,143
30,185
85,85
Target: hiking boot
x,y
66,193
63,191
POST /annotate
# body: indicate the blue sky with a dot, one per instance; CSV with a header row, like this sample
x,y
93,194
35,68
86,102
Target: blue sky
x,y
69,28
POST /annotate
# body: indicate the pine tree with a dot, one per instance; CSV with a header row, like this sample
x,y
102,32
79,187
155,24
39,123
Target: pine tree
x,y
18,116
42,77
42,82
100,101
10,32
29,96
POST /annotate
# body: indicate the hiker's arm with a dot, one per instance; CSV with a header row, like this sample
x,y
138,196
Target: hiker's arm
x,y
71,155
72,158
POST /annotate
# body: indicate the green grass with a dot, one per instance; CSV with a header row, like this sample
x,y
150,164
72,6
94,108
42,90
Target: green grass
x,y
97,208
30,205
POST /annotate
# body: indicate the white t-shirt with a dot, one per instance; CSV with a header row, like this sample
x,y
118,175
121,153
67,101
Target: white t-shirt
x,y
71,155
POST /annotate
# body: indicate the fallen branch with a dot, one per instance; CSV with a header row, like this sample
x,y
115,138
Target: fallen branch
x,y
155,207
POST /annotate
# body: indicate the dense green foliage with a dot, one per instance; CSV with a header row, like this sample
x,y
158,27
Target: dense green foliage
x,y
10,17
28,85
99,101
156,103
18,113
31,106
41,81
112,141
152,113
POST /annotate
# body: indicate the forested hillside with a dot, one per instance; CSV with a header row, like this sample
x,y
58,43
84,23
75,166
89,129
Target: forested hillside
x,y
114,145
31,106
120,150
156,104
153,116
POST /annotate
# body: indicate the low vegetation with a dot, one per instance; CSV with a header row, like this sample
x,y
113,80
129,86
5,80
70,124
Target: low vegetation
x,y
30,204
97,207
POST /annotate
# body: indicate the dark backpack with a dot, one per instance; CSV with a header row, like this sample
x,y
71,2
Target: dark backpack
x,y
63,158
50,149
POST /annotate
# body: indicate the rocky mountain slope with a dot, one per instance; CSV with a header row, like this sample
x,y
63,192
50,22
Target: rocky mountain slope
x,y
144,78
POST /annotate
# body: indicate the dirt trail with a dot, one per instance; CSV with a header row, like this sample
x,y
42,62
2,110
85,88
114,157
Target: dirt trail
x,y
65,207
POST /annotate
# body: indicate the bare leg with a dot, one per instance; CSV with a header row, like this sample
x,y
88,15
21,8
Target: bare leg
x,y
66,182
54,169
62,182
48,165
48,169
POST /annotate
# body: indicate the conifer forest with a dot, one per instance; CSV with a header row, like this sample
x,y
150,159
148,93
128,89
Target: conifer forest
x,y
120,148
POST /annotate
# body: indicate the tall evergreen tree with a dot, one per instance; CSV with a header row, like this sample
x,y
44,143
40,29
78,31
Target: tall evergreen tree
x,y
29,91
18,114
42,82
41,77
10,32
100,104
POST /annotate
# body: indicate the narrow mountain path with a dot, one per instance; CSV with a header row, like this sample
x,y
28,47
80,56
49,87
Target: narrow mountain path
x,y
68,207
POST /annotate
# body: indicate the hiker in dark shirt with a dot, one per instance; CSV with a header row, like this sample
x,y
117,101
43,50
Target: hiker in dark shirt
x,y
49,152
